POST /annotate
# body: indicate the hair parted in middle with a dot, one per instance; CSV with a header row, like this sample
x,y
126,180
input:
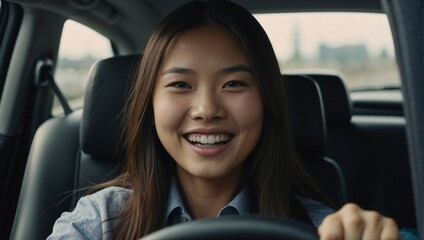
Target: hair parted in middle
x,y
272,168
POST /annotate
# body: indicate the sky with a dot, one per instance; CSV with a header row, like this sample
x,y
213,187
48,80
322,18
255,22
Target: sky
x,y
334,29
78,40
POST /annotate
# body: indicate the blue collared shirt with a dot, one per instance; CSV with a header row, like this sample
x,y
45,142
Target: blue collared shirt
x,y
239,205
177,212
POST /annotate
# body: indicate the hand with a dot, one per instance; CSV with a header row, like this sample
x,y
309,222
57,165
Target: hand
x,y
352,222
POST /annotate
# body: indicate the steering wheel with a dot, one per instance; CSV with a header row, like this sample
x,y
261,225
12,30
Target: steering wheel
x,y
237,227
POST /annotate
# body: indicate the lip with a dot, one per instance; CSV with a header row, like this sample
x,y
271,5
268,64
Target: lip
x,y
208,150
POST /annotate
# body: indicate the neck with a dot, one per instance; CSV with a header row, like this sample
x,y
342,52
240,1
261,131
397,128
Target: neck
x,y
205,197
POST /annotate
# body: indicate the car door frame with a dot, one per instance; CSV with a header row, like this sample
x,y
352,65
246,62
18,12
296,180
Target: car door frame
x,y
23,106
407,23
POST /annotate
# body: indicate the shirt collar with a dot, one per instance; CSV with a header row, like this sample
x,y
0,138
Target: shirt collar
x,y
238,205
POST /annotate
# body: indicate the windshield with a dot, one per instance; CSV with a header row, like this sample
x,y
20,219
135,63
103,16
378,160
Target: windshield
x,y
359,45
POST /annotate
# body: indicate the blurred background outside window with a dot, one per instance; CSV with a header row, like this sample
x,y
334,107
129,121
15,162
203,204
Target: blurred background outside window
x,y
359,45
80,47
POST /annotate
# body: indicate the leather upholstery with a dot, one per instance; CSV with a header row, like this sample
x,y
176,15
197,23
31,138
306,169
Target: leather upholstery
x,y
372,145
74,151
49,177
307,114
309,130
106,94
337,103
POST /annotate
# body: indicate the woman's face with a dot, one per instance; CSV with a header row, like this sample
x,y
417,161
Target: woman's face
x,y
208,112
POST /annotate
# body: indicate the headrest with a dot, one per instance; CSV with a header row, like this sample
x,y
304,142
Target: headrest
x,y
306,114
106,94
337,103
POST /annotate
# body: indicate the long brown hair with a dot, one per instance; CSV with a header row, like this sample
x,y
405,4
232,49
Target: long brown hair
x,y
272,167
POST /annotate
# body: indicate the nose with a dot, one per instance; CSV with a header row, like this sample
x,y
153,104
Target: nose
x,y
207,106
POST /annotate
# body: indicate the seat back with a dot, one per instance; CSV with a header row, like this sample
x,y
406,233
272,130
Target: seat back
x,y
372,152
84,148
74,151
309,129
101,139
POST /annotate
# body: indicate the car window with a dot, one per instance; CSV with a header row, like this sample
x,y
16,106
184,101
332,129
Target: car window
x,y
79,48
359,45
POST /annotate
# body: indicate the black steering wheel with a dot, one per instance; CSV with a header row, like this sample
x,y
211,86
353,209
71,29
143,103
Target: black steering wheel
x,y
237,227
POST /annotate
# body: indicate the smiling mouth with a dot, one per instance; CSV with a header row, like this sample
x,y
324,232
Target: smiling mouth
x,y
208,139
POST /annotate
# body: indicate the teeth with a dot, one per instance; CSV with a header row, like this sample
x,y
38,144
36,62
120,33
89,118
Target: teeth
x,y
208,139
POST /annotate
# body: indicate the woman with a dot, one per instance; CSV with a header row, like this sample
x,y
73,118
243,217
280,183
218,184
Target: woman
x,y
204,138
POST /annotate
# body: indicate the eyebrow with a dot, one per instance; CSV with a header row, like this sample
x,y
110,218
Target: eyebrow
x,y
227,70
179,70
237,68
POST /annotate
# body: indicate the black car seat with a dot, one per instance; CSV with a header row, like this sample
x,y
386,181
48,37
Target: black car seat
x,y
84,147
74,151
371,150
309,129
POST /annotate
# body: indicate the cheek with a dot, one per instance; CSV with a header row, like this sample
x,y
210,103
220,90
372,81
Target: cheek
x,y
247,111
168,113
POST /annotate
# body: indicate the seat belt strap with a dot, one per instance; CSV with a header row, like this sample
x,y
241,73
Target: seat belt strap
x,y
44,76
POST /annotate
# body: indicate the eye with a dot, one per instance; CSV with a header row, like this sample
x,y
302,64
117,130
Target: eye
x,y
179,84
232,84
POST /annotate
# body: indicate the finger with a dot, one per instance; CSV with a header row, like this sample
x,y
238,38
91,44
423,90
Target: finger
x,y
374,225
390,230
331,228
353,222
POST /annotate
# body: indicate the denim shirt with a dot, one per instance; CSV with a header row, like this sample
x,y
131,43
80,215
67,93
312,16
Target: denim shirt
x,y
93,216
177,212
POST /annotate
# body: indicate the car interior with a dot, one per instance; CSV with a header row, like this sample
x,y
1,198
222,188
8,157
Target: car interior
x,y
87,142
355,145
